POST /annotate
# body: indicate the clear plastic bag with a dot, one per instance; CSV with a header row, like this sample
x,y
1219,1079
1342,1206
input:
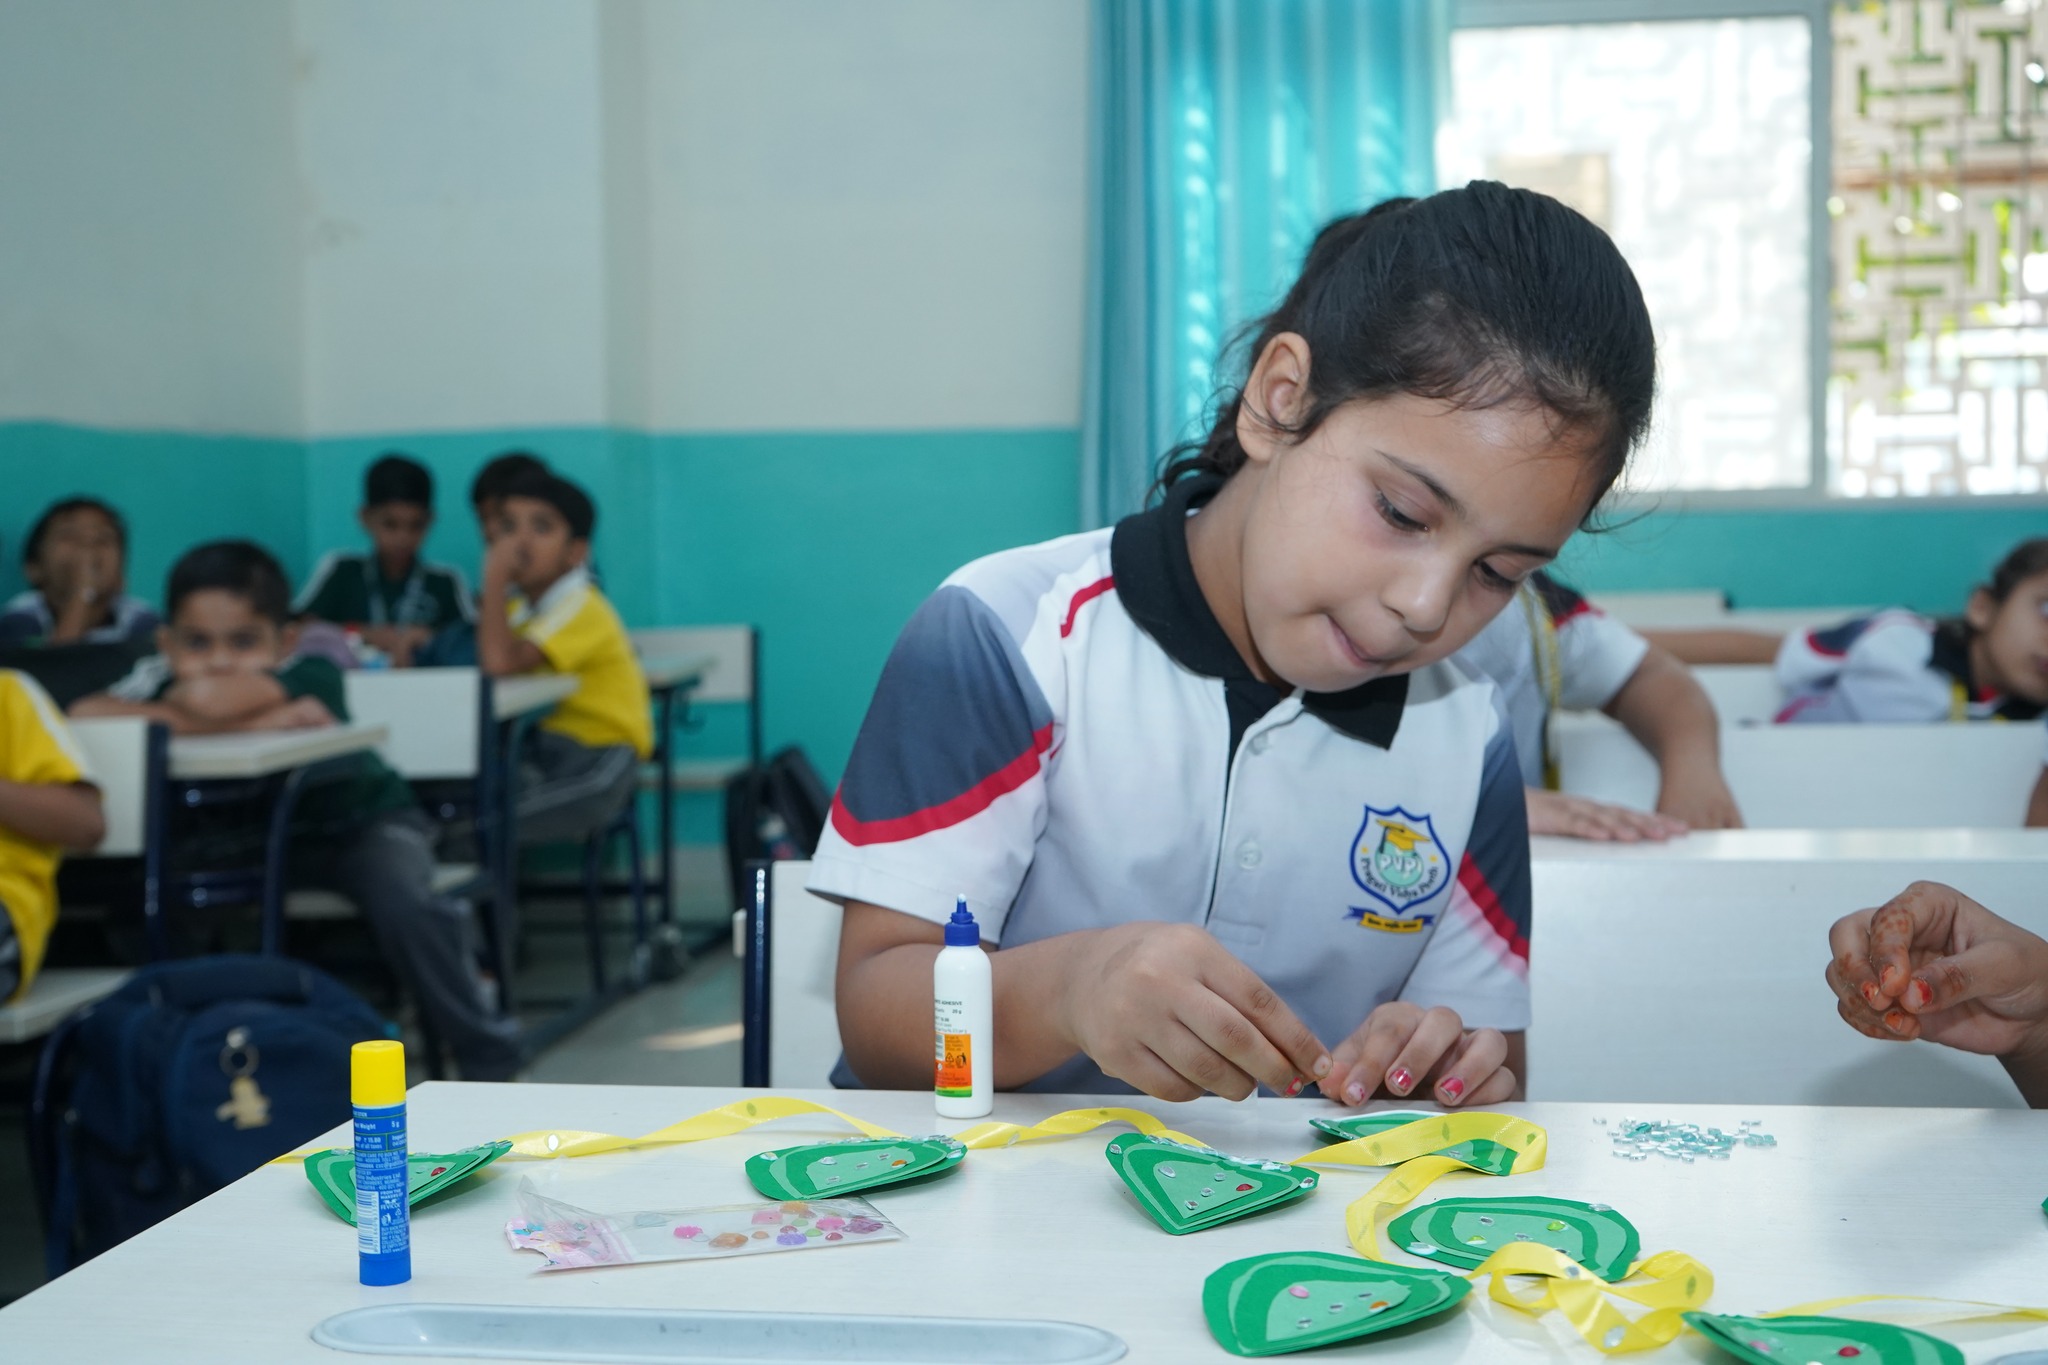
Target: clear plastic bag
x,y
576,1239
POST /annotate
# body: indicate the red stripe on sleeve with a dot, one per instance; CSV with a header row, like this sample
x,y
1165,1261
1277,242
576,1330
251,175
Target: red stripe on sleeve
x,y
1580,607
966,805
1082,599
1476,886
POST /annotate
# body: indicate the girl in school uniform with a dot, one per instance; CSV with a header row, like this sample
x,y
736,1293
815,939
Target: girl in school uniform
x,y
1896,667
1225,813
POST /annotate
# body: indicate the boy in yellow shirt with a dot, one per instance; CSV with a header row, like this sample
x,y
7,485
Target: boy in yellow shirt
x,y
48,804
541,613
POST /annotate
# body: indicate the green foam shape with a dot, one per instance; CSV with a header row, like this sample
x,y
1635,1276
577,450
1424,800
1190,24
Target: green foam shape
x,y
1594,1235
1253,1310
1777,1341
824,1170
1481,1154
1187,1189
333,1174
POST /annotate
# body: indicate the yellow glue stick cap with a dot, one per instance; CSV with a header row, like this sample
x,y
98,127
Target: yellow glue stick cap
x,y
376,1073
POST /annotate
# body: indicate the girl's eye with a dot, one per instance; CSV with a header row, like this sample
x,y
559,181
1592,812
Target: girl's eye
x,y
1491,577
1395,517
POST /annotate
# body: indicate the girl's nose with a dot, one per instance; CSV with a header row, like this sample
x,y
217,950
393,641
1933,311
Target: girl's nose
x,y
1421,596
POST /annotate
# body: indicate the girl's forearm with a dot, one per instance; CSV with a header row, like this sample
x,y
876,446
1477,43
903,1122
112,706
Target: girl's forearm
x,y
67,815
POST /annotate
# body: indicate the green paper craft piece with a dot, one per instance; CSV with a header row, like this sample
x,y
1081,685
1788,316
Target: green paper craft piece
x,y
823,1170
1187,1189
1464,1232
333,1174
1293,1300
1797,1340
1482,1154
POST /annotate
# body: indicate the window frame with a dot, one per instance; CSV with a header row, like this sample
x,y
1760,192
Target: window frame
x,y
1820,265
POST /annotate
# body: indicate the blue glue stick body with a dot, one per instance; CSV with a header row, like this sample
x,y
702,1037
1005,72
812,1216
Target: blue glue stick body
x,y
383,1221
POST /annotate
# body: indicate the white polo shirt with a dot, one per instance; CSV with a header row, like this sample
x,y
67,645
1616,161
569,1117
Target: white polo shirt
x,y
1551,647
1065,735
1894,668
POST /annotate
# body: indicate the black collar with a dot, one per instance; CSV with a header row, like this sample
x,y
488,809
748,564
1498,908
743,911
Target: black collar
x,y
1155,581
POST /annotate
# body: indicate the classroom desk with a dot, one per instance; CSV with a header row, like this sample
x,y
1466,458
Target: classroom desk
x,y
208,758
1906,847
1942,1202
667,674
526,693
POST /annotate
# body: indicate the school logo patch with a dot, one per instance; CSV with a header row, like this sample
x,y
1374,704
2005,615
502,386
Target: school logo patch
x,y
1398,860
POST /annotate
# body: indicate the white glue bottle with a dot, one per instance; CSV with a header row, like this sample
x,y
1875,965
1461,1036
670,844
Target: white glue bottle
x,y
963,1022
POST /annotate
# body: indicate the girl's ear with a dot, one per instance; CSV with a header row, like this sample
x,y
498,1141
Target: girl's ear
x,y
1981,610
1275,397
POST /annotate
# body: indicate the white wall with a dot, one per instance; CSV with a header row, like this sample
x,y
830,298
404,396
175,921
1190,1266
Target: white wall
x,y
149,263
453,176
867,215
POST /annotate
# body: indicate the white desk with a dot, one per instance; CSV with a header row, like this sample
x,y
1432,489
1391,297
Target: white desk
x,y
675,671
1694,968
529,692
196,758
1932,1201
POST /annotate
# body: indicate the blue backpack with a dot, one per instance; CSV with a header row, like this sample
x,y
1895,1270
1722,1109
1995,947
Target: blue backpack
x,y
190,1076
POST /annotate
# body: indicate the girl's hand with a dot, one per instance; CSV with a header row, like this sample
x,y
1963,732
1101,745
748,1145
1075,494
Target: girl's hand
x,y
1168,1009
1402,1048
1700,800
1577,817
1932,963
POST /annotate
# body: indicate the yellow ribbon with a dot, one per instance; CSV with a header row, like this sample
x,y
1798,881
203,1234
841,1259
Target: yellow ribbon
x,y
737,1117
1956,1310
1429,1136
1068,1124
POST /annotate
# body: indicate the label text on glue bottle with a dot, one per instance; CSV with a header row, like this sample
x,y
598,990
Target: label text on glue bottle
x,y
382,1226
952,1050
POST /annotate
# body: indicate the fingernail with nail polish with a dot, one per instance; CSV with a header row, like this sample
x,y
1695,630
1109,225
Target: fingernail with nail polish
x,y
1322,1067
1401,1078
1870,996
1452,1087
1355,1094
1895,1020
1293,1087
1918,995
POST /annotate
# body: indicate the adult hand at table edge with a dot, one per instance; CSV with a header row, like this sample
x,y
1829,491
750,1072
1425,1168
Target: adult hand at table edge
x,y
1403,1049
1932,963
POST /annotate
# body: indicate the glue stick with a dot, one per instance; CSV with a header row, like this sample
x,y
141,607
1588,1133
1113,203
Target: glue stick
x,y
383,1224
963,1022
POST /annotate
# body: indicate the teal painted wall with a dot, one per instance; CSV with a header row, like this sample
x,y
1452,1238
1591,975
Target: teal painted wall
x,y
174,488
1915,555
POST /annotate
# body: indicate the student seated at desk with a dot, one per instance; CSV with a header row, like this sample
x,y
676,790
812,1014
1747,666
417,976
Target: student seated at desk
x,y
1552,648
394,598
48,804
358,830
1932,963
541,612
1208,777
76,562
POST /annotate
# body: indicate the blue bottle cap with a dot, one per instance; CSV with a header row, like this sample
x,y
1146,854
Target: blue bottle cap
x,y
961,930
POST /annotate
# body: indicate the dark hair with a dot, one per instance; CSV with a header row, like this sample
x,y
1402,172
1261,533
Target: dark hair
x,y
32,548
500,470
1480,296
241,567
557,492
2028,558
398,478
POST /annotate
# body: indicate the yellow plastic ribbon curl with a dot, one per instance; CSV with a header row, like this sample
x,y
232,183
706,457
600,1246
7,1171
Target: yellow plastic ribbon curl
x,y
1671,1283
737,1117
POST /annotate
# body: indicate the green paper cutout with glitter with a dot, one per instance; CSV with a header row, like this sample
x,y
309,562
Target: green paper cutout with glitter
x,y
1482,1154
822,1170
333,1174
1294,1300
1464,1232
1187,1189
1775,1341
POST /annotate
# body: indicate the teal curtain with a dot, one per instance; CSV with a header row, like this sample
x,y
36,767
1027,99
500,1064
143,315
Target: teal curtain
x,y
1226,132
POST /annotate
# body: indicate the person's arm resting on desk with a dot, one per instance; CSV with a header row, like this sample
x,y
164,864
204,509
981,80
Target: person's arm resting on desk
x,y
1669,714
500,650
